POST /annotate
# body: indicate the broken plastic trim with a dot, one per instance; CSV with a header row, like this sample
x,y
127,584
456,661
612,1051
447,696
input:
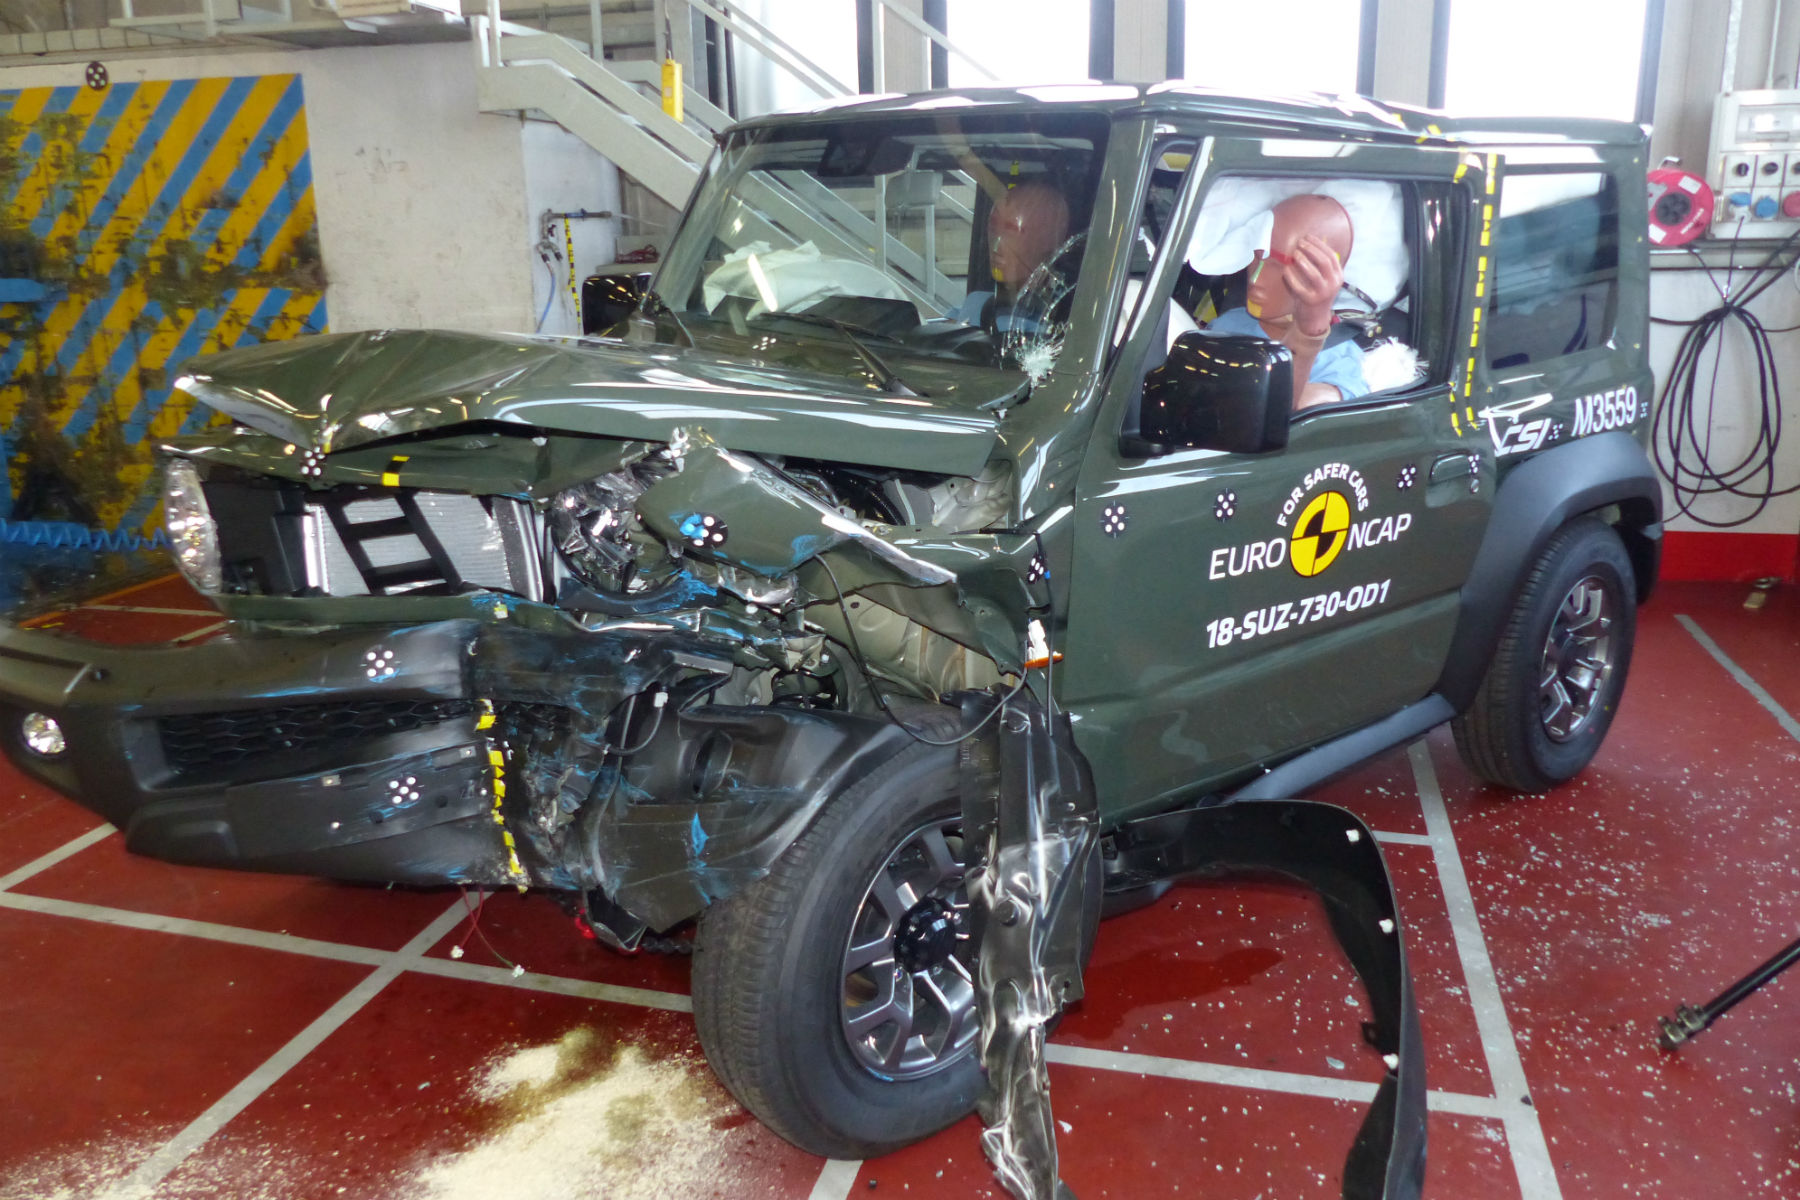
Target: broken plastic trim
x,y
1029,804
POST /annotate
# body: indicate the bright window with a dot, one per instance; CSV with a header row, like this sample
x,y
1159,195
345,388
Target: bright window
x,y
1545,58
1021,41
1239,47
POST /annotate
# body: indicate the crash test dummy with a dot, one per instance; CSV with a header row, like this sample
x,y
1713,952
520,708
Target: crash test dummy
x,y
1291,289
1025,227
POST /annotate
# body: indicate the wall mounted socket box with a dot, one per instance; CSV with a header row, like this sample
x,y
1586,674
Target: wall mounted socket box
x,y
1754,165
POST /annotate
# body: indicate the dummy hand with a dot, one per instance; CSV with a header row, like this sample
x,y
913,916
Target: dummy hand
x,y
1314,279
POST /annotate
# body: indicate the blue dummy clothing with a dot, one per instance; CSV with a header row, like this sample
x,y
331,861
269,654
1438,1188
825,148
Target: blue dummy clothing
x,y
1339,365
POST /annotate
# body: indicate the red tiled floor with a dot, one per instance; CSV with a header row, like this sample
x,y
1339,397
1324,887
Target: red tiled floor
x,y
1764,641
1247,974
1668,869
1126,1136
1660,875
114,1039
34,820
409,1099
126,627
110,875
1381,793
533,931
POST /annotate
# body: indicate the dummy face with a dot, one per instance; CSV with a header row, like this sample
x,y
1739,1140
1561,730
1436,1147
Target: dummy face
x,y
1268,297
1026,226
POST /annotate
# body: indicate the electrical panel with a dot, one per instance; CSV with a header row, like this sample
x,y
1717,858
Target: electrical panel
x,y
1754,167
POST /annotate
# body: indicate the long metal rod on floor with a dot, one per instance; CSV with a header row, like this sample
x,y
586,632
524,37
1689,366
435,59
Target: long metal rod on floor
x,y
1689,1021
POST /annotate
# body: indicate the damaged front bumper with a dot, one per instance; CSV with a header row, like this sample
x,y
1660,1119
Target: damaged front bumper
x,y
474,750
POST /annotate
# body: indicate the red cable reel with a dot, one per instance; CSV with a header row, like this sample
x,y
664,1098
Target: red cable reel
x,y
1681,206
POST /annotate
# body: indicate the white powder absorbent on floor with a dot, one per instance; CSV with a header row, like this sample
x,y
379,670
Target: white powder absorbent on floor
x,y
585,1118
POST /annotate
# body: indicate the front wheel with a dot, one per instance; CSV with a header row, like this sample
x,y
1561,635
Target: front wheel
x,y
835,996
1554,684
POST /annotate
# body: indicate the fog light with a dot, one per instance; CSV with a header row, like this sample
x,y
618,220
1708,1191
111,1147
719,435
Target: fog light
x,y
43,735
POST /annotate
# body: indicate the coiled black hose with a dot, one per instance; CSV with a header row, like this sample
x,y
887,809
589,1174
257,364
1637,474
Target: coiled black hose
x,y
1682,433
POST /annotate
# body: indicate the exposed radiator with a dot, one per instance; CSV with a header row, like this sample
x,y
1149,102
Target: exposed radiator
x,y
359,544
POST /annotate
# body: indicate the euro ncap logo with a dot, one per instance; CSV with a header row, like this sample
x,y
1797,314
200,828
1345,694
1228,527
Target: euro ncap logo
x,y
1320,533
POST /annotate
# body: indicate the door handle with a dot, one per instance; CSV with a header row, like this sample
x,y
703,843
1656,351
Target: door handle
x,y
1454,466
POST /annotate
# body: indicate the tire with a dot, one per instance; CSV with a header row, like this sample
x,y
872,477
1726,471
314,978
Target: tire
x,y
771,989
1554,684
772,992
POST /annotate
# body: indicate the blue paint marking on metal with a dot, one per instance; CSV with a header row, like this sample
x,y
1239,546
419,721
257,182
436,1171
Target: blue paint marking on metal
x,y
205,235
92,142
166,204
123,180
33,145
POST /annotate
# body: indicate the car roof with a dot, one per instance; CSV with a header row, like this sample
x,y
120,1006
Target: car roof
x,y
1311,114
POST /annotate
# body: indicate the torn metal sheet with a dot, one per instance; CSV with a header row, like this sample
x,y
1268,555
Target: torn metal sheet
x,y
735,508
1033,889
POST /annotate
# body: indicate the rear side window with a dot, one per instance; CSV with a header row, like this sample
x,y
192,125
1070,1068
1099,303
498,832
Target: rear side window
x,y
1556,266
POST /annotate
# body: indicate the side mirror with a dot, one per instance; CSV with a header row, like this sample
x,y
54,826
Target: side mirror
x,y
1216,392
606,300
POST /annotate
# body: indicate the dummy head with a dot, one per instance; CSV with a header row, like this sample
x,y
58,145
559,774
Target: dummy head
x,y
1025,227
1268,297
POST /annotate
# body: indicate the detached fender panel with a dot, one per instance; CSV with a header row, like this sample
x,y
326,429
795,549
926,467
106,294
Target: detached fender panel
x,y
1536,498
1330,851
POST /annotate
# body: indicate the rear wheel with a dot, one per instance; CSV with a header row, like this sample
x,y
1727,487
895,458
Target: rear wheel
x,y
1554,684
835,997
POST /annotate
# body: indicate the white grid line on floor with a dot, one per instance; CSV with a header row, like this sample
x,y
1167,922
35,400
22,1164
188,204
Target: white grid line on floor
x,y
44,862
1781,715
143,1181
1285,1082
1258,1079
836,1178
1524,1132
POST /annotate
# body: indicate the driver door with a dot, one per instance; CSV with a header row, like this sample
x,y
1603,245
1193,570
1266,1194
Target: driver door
x,y
1227,610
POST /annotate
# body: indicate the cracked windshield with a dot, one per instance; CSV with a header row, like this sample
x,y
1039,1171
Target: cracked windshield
x,y
942,237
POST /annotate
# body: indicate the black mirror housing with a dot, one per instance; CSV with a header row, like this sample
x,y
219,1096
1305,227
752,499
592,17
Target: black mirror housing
x,y
1217,392
606,300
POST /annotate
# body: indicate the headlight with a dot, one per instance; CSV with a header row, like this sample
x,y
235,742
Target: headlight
x,y
193,537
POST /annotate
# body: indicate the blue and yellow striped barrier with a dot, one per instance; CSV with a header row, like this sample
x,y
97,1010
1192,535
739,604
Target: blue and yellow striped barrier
x,y
164,219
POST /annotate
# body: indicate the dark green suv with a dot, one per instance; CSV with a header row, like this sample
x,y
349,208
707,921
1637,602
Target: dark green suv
x,y
948,547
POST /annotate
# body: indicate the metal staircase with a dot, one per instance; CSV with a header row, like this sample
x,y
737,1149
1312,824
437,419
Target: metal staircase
x,y
615,107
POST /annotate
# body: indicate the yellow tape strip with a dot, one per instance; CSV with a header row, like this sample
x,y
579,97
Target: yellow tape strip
x,y
1493,161
497,765
391,476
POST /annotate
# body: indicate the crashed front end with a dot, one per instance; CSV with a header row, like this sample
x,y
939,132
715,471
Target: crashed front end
x,y
615,667
618,623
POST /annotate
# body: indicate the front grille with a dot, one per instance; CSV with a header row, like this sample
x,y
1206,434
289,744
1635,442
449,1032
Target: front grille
x,y
204,740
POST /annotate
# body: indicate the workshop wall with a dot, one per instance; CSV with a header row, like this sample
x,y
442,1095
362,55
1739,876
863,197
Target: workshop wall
x,y
405,207
563,174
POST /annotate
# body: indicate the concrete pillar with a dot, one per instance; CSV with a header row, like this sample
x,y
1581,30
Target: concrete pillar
x,y
1140,40
1403,52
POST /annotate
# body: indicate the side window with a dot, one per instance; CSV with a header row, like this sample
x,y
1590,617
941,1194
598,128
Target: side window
x,y
1556,266
1396,246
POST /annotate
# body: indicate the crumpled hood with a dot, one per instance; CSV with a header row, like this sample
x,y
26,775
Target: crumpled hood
x,y
341,390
